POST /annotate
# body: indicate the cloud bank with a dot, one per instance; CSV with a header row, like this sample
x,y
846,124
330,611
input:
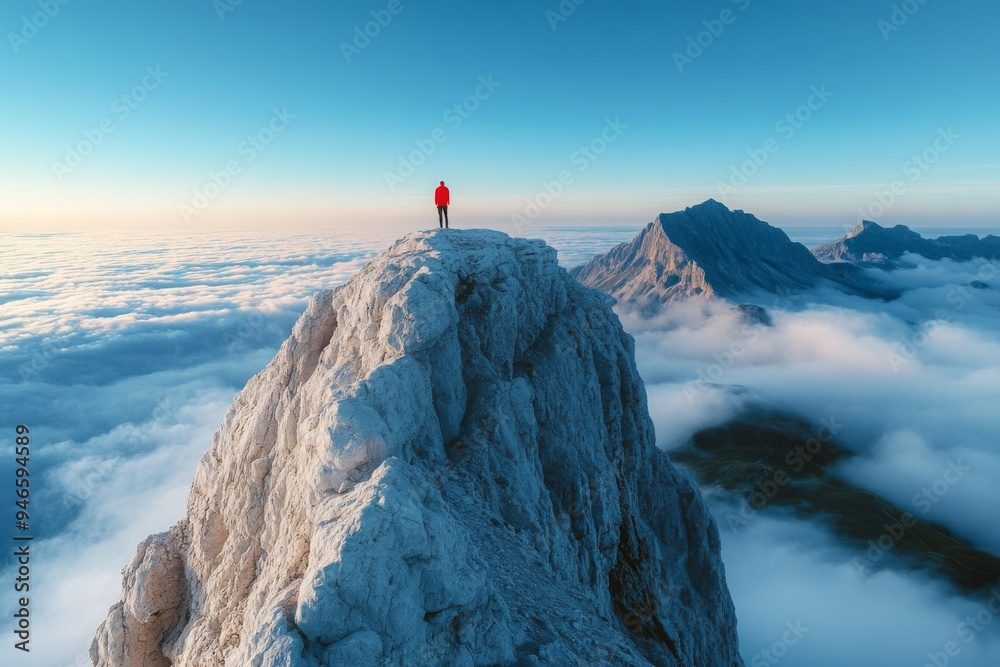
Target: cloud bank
x,y
912,387
123,354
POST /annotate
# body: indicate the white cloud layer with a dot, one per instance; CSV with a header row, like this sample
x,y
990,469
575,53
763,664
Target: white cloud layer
x,y
913,386
122,355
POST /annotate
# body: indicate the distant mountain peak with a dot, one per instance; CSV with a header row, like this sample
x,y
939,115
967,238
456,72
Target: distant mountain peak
x,y
707,251
864,226
870,243
709,203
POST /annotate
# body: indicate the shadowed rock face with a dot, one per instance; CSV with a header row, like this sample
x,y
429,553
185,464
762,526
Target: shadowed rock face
x,y
752,314
870,243
449,462
709,251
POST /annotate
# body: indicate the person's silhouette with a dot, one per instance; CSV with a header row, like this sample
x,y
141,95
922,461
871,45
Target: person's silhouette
x,y
442,199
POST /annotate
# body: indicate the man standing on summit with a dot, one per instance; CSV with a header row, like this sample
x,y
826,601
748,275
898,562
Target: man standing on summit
x,y
442,199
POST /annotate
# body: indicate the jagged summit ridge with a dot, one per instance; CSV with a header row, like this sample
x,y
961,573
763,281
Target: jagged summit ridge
x,y
450,461
864,226
870,242
710,251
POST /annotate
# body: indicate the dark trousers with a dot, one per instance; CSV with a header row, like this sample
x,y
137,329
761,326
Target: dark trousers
x,y
443,217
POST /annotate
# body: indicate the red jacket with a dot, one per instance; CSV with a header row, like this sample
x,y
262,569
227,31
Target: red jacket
x,y
442,196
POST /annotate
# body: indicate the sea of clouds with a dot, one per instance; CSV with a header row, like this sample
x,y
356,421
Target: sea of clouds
x,y
122,354
911,387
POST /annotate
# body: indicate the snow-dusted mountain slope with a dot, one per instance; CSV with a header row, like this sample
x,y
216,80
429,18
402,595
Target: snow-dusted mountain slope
x,y
709,251
449,462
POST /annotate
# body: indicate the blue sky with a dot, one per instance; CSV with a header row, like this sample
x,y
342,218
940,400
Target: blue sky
x,y
330,122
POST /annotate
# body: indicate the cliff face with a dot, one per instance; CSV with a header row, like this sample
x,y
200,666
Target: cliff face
x,y
871,243
449,462
709,251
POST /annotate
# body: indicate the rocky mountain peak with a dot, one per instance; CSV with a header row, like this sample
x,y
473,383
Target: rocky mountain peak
x,y
450,461
710,251
870,243
862,227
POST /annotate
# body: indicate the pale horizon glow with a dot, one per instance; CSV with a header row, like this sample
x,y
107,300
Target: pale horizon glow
x,y
116,125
